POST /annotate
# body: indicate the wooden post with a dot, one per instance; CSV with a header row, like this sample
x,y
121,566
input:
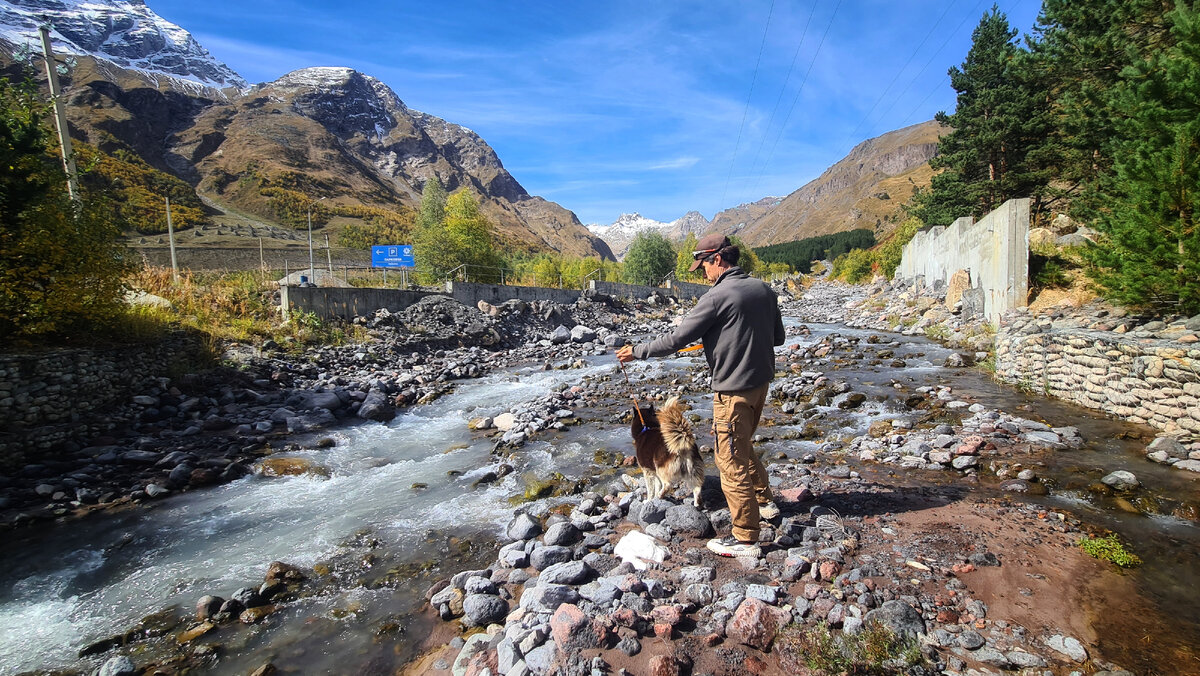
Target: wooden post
x,y
60,115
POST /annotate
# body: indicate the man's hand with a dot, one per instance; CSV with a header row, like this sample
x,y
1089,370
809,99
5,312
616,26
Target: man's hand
x,y
625,354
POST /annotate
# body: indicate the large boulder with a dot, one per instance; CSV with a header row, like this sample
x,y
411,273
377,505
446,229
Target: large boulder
x,y
901,618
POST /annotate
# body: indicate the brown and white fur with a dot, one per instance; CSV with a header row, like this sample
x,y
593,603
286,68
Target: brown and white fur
x,y
666,450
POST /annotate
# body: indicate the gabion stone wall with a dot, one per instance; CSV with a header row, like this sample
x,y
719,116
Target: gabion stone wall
x,y
54,401
1144,374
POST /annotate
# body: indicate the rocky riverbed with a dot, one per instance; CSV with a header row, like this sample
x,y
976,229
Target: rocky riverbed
x,y
920,524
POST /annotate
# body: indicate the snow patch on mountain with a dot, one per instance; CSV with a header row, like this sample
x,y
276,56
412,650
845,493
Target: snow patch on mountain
x,y
125,33
620,234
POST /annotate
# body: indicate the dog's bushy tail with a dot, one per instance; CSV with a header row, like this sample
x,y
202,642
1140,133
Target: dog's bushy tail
x,y
676,430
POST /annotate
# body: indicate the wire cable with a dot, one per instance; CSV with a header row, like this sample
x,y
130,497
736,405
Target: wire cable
x,y
746,110
796,99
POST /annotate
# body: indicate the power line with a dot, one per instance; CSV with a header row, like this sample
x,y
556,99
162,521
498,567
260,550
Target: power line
x,y
783,88
949,37
795,99
746,110
900,72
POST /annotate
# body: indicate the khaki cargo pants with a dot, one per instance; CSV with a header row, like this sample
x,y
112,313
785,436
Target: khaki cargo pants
x,y
743,477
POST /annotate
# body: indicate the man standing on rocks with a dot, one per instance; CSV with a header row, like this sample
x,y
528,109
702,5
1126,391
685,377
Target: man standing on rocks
x,y
739,324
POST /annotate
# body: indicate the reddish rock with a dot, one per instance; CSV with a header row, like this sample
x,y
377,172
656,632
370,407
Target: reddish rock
x,y
573,630
663,665
711,639
829,569
755,623
484,661
663,630
754,665
962,568
970,445
624,617
667,614
801,494
947,616
811,591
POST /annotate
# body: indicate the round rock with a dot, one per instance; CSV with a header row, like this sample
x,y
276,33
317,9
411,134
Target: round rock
x,y
480,610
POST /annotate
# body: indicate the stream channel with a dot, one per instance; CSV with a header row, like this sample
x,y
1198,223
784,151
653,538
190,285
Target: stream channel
x,y
66,586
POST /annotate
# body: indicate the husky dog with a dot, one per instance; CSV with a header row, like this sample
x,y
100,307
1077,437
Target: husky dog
x,y
667,450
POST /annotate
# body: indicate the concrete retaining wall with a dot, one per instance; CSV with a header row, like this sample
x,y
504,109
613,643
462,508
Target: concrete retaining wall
x,y
683,290
61,399
994,251
1155,382
328,302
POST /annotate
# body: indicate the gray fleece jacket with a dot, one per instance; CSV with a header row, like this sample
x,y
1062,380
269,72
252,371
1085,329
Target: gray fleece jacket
x,y
739,323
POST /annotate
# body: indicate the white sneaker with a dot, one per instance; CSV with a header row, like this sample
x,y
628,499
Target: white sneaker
x,y
730,546
768,511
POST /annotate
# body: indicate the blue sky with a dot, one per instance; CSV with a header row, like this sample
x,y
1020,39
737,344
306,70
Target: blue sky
x,y
612,106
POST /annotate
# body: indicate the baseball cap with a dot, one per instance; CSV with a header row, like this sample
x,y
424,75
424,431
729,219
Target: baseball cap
x,y
707,246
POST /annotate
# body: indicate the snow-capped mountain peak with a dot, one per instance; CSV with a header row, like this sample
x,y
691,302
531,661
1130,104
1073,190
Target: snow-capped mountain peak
x,y
621,233
126,33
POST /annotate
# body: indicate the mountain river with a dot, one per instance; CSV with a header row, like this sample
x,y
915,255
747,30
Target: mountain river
x,y
63,587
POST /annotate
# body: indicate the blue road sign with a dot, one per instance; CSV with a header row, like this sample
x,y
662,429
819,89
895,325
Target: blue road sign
x,y
392,256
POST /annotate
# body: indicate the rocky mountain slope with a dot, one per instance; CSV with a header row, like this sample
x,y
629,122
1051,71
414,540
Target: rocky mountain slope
x,y
142,84
620,234
125,34
865,189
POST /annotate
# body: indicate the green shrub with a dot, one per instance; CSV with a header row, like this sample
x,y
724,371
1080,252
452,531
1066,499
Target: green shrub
x,y
1109,548
875,650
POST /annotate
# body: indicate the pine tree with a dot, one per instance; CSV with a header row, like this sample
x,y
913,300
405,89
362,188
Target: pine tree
x,y
1000,116
1150,256
1079,51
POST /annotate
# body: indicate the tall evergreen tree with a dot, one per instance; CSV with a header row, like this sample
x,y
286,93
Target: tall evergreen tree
x,y
1079,51
1150,256
998,119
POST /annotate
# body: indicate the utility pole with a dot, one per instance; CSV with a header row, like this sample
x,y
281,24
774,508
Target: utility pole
x,y
329,255
60,115
171,239
311,277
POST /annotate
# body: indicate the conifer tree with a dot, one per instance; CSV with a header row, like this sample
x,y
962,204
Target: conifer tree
x,y
1150,256
1079,51
998,119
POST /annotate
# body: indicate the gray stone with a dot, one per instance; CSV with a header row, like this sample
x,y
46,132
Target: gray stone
x,y
600,592
1024,660
567,572
480,610
548,555
523,527
562,533
560,335
119,665
1121,480
964,462
971,640
1068,646
653,511
541,659
582,334
376,407
688,521
545,598
699,594
1190,465
696,574
898,616
762,592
